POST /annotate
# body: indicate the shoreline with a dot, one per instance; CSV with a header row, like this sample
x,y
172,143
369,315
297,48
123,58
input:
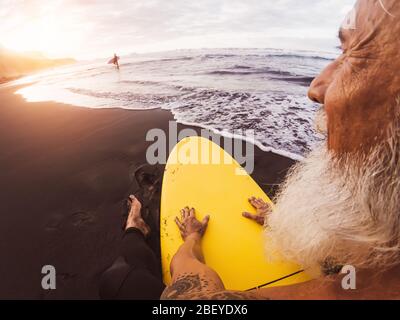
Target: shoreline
x,y
7,80
66,171
226,134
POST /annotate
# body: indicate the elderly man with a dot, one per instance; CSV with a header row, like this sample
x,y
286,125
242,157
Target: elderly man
x,y
340,206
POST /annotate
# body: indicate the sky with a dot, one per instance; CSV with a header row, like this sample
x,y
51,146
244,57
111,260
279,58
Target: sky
x,y
86,29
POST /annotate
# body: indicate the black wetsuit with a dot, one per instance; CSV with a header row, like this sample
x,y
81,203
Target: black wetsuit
x,y
135,274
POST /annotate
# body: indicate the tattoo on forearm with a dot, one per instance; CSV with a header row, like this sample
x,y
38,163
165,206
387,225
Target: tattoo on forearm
x,y
193,286
183,285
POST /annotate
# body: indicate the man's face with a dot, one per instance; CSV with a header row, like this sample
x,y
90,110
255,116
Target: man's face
x,y
359,89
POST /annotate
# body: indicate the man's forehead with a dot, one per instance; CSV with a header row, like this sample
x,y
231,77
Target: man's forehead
x,y
350,21
384,8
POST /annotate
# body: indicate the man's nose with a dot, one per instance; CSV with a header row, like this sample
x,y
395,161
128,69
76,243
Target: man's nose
x,y
317,90
320,84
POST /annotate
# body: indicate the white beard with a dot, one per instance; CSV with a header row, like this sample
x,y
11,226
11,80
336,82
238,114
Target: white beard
x,y
344,210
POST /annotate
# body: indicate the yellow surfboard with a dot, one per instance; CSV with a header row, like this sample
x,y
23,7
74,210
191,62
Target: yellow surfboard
x,y
201,175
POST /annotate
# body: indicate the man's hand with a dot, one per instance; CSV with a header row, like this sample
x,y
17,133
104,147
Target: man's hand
x,y
262,210
188,224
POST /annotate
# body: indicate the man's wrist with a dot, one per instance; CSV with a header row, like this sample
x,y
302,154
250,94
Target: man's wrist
x,y
196,236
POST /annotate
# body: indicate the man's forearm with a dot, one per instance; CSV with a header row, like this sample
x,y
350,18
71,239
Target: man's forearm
x,y
188,253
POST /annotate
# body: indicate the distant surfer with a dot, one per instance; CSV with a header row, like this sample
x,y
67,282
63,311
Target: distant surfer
x,y
114,61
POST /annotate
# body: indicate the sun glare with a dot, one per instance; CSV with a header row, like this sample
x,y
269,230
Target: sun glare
x,y
46,35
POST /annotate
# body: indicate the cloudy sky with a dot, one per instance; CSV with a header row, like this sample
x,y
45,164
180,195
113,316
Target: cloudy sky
x,y
96,28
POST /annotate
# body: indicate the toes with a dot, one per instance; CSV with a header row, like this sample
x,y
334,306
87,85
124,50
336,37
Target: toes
x,y
135,203
136,206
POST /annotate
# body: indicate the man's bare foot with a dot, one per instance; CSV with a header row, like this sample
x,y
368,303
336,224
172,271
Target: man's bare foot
x,y
263,209
135,219
189,225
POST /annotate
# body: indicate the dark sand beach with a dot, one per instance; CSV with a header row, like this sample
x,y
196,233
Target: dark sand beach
x,y
65,172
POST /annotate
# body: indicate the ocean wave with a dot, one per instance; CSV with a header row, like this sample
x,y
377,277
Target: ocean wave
x,y
127,98
298,56
240,67
281,55
304,81
250,72
160,60
140,82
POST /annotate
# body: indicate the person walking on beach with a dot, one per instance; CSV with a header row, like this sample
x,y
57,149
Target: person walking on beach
x,y
114,61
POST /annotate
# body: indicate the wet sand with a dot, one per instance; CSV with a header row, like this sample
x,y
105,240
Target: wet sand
x,y
65,172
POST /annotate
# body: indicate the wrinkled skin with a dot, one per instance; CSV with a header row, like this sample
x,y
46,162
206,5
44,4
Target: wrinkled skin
x,y
360,87
359,91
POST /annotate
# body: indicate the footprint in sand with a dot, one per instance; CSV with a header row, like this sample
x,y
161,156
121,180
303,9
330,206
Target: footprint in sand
x,y
81,219
77,219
